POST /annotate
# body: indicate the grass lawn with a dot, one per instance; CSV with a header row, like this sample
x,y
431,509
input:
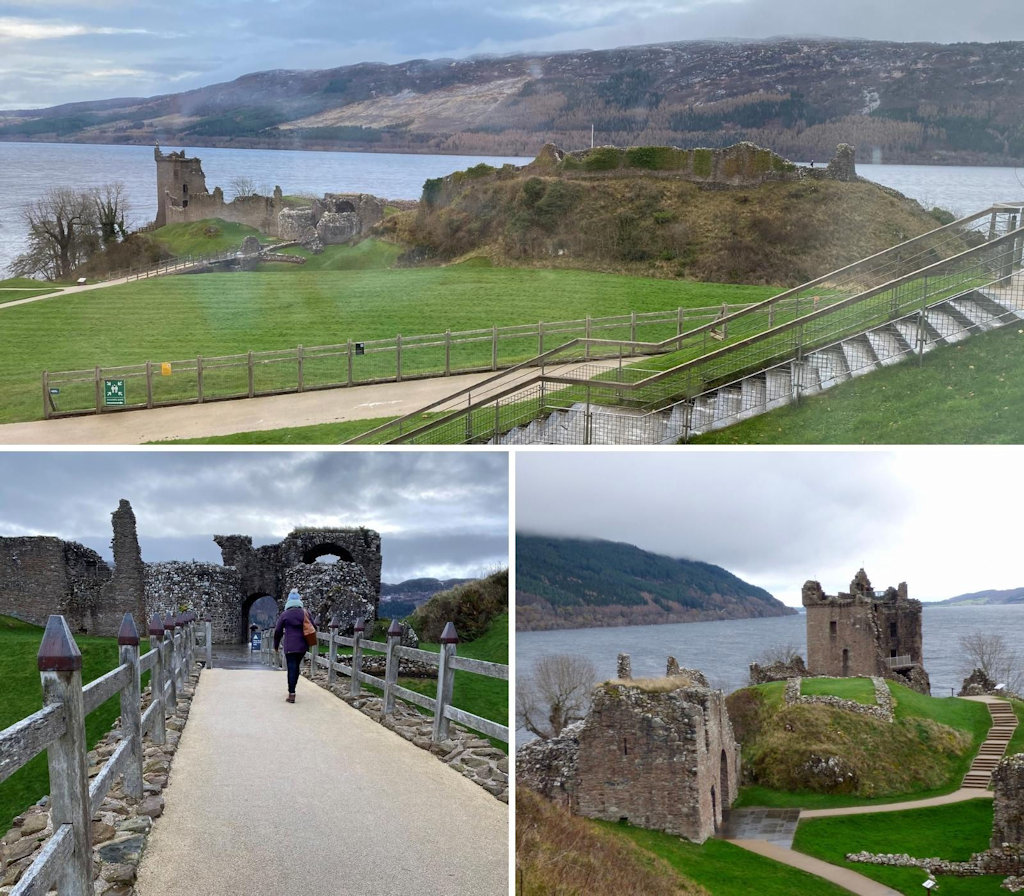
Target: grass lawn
x,y
181,317
19,645
950,832
316,434
1017,741
860,690
725,869
971,393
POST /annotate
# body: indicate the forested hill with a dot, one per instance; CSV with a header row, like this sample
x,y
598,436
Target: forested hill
x,y
581,583
896,102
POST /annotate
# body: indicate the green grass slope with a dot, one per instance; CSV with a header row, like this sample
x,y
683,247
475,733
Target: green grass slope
x,y
970,393
815,755
181,317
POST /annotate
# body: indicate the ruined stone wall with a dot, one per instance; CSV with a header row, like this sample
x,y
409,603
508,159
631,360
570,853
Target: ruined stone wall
x,y
856,633
41,575
213,591
661,759
126,590
1008,783
260,212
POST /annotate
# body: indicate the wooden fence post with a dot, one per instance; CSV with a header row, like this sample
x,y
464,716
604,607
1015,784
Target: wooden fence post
x,y
60,667
199,379
252,377
391,669
131,704
494,347
332,653
300,358
209,643
149,384
445,681
170,667
448,352
156,679
357,656
398,358
98,390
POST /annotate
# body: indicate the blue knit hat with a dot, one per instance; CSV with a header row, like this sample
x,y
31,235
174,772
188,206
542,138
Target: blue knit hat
x,y
294,600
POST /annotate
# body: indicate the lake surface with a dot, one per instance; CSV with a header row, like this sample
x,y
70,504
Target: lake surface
x,y
724,650
27,170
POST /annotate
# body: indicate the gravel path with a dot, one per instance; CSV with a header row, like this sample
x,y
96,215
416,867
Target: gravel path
x,y
267,797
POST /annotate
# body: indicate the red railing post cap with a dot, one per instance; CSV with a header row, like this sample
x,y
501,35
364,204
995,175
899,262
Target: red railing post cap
x,y
156,627
128,634
449,635
360,625
169,623
58,651
395,629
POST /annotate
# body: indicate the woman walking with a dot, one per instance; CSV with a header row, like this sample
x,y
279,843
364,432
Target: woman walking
x,y
289,629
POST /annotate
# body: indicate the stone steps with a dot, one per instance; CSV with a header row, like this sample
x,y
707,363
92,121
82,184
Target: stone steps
x,y
992,749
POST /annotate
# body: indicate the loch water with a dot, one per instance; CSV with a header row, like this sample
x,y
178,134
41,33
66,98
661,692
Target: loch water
x,y
27,170
723,650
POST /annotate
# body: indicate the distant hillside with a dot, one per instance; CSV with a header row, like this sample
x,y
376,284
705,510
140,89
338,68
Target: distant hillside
x,y
983,598
738,215
400,600
580,583
898,102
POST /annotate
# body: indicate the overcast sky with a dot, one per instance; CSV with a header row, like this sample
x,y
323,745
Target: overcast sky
x,y
945,521
440,514
55,51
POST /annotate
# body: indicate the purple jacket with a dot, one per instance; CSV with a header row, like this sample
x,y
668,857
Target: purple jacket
x,y
289,624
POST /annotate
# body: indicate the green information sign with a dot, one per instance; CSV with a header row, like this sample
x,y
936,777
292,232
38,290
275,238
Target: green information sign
x,y
113,392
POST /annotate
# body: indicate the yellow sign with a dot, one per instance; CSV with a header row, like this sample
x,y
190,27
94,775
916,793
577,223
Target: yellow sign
x,y
165,369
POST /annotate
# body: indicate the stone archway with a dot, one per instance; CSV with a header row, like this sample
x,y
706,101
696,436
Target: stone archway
x,y
314,552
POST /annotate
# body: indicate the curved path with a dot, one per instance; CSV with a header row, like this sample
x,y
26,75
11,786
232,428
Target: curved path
x,y
268,797
844,877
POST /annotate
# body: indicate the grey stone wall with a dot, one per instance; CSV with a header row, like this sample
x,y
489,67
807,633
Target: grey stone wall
x,y
213,591
661,756
41,575
1008,784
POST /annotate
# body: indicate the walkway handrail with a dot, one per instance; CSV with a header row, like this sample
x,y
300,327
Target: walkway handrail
x,y
801,333
59,728
440,706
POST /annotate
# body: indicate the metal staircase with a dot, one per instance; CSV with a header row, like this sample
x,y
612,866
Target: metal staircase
x,y
932,290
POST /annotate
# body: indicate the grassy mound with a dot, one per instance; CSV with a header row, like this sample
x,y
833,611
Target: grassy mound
x,y
792,752
635,220
203,237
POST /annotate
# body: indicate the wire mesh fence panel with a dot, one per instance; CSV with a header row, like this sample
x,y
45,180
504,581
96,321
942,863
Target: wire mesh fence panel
x,y
174,382
325,367
225,377
274,372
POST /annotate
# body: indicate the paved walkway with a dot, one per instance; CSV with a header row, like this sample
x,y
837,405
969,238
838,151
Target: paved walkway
x,y
745,830
267,797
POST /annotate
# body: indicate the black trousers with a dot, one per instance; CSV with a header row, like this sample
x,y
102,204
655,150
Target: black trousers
x,y
294,661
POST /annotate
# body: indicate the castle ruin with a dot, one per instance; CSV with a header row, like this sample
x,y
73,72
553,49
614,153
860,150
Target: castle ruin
x,y
661,755
42,575
865,633
182,197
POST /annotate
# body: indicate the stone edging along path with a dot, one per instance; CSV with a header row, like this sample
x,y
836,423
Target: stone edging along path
x,y
121,826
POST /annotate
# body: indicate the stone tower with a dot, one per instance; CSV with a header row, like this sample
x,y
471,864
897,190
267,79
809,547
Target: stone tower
x,y
177,180
865,632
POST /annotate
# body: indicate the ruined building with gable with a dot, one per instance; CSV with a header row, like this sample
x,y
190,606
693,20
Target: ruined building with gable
x,y
661,755
182,197
865,632
42,575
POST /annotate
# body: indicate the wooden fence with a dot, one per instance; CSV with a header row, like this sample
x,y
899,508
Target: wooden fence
x,y
105,389
59,728
446,662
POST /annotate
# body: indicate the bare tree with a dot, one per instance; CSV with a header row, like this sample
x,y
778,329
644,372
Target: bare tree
x,y
242,187
998,659
112,209
555,694
62,234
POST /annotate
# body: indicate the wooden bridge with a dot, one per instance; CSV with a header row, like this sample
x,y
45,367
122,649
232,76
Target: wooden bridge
x,y
264,796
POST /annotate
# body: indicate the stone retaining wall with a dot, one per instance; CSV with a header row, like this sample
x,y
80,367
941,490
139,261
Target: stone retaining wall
x,y
882,710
